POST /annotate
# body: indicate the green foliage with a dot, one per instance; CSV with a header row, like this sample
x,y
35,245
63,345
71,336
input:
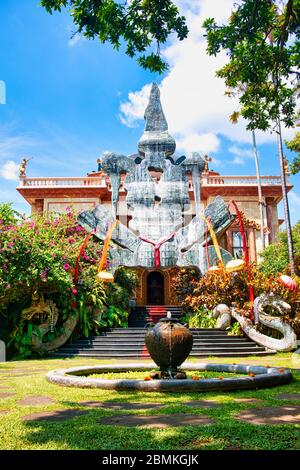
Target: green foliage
x,y
184,284
201,318
275,259
263,46
87,323
121,291
21,338
294,145
235,330
139,24
115,317
8,216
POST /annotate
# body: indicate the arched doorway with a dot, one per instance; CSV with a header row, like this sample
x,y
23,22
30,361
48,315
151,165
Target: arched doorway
x,y
155,288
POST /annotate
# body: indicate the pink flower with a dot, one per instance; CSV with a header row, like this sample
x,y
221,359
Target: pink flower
x,y
43,274
74,290
51,244
66,266
54,255
8,286
71,240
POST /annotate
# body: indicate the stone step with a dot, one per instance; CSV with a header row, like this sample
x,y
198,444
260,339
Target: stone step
x,y
146,356
130,342
137,348
196,340
142,344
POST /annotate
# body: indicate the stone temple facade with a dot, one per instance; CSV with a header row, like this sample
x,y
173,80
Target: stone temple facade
x,y
158,199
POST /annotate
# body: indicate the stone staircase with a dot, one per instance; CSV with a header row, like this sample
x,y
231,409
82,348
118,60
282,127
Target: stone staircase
x,y
128,343
140,316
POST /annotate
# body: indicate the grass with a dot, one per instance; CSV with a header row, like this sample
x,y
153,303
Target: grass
x,y
84,432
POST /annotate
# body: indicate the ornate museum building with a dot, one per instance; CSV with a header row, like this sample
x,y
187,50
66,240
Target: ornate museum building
x,y
54,194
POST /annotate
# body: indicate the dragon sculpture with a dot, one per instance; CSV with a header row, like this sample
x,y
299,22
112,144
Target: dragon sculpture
x,y
288,342
44,314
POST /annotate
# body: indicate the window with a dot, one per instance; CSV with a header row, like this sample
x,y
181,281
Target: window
x,y
237,244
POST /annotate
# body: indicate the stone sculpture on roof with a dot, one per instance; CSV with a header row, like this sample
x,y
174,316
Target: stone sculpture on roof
x,y
157,186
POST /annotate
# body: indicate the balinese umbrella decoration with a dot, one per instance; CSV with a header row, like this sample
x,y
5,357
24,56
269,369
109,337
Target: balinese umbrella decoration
x,y
288,282
216,246
104,275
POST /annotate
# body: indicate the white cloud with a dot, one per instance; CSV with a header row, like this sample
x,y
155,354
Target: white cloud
x,y
241,155
192,96
2,92
74,39
14,145
204,143
133,109
10,170
294,200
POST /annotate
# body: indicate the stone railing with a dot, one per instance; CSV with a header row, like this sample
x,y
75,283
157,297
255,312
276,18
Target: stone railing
x,y
74,182
220,180
103,181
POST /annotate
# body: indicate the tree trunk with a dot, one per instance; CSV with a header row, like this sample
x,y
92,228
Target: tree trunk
x,y
260,198
285,199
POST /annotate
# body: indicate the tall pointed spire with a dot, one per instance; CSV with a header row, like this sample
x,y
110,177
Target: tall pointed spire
x,y
154,115
156,137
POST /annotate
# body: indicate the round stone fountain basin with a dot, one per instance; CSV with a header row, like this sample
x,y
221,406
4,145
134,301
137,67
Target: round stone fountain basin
x,y
260,377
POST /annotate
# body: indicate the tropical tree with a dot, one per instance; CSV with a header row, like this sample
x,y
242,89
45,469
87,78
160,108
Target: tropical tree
x,y
139,24
263,46
294,145
275,258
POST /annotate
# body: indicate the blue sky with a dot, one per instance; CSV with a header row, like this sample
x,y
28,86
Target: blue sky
x,y
68,100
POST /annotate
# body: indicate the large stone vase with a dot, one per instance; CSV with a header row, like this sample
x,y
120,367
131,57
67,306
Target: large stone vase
x,y
169,343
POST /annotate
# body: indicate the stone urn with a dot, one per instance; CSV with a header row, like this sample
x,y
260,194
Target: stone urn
x,y
169,343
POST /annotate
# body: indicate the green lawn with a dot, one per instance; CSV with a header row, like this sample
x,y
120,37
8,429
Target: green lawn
x,y
83,432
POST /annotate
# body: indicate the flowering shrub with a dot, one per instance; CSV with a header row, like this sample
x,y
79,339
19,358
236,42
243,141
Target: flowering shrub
x,y
39,255
232,289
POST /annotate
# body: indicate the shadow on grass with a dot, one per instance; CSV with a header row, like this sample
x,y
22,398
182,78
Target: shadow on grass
x,y
80,429
85,433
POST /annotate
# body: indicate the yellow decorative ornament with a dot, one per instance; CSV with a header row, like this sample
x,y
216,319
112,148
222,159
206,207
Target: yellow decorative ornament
x,y
104,275
215,269
216,246
234,265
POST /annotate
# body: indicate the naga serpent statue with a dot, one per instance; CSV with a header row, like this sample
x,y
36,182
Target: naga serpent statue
x,y
288,342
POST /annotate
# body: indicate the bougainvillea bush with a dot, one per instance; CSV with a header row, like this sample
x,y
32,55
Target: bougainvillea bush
x,y
38,256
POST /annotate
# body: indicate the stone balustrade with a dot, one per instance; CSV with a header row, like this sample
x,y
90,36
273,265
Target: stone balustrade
x,y
74,182
102,181
220,180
